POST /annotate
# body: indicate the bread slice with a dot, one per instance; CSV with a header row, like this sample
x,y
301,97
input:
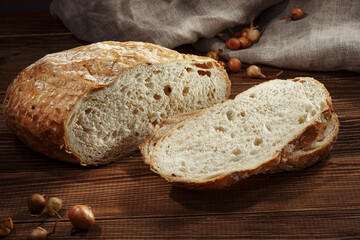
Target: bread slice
x,y
96,103
244,136
297,160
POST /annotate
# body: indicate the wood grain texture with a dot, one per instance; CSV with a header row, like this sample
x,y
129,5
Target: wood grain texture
x,y
130,202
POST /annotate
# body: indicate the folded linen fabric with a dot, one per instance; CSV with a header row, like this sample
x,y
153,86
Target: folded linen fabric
x,y
327,38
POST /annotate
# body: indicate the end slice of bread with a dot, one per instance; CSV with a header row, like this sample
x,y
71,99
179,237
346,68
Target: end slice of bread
x,y
241,137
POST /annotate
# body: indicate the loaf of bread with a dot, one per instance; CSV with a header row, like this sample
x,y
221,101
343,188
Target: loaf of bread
x,y
94,104
277,125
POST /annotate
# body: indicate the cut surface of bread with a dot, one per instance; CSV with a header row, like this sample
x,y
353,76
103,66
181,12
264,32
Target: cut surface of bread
x,y
96,103
244,136
160,130
296,160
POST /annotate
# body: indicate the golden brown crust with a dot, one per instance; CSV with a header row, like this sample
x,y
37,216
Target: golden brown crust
x,y
228,179
41,98
310,156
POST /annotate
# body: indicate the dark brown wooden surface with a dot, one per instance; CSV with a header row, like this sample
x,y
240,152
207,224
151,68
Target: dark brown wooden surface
x,y
130,202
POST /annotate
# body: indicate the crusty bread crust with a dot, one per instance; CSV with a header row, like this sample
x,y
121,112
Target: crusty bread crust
x,y
303,139
309,157
40,100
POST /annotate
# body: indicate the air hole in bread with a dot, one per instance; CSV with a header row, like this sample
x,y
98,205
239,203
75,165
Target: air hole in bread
x,y
114,134
230,115
148,79
236,151
189,69
128,94
232,135
157,97
137,134
243,114
138,76
156,71
106,137
252,95
313,112
203,73
207,65
88,130
135,111
308,107
87,111
162,115
253,152
268,127
220,129
258,141
302,119
149,85
275,143
141,109
185,91
123,89
155,122
167,90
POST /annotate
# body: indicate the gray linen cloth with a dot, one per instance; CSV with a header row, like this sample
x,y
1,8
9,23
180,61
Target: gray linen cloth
x,y
327,38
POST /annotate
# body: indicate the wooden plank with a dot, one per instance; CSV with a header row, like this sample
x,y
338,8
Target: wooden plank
x,y
268,225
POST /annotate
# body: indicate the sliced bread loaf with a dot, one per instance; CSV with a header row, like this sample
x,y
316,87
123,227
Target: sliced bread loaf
x,y
96,103
241,137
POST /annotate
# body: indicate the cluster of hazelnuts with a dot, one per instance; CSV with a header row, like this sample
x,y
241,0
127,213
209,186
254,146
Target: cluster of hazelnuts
x,y
81,216
244,39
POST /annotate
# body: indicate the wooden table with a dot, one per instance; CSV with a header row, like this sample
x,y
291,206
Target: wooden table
x,y
130,202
